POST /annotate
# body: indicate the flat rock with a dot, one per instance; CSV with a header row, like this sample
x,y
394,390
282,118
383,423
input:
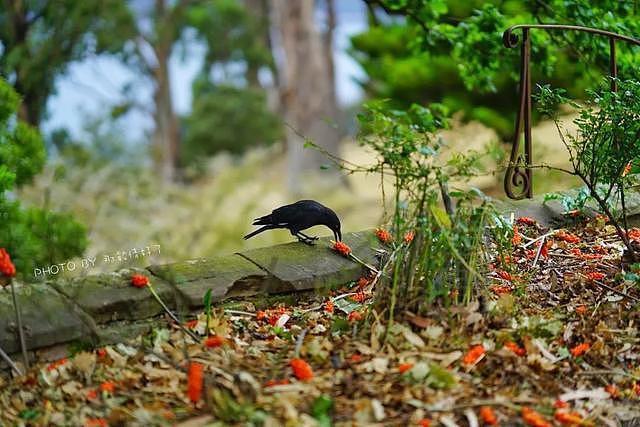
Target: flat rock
x,y
288,267
48,318
110,296
299,267
227,276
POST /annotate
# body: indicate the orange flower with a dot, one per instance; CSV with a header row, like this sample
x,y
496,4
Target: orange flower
x,y
355,358
560,404
342,248
568,418
362,282
474,355
595,275
354,316
517,237
301,369
408,236
383,235
214,341
191,323
108,387
634,234
504,275
581,309
488,416
612,390
545,249
194,381
533,418
580,349
526,220
96,422
567,237
576,252
530,253
329,306
359,297
6,266
627,169
425,422
139,280
101,352
92,394
500,289
404,367
261,315
515,348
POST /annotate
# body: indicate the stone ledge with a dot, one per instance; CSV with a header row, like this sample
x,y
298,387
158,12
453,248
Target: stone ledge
x,y
82,309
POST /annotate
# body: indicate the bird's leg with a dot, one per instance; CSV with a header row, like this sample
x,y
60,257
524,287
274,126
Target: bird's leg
x,y
304,239
312,238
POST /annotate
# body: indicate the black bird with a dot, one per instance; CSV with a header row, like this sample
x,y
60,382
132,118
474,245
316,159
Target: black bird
x,y
299,216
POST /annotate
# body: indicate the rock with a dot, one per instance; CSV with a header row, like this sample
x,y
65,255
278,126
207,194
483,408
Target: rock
x,y
48,318
227,276
299,267
110,296
290,267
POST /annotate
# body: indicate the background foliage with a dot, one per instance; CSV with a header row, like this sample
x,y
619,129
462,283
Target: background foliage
x,y
35,237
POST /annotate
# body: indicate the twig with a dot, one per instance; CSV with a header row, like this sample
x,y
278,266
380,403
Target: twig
x,y
23,344
299,342
614,290
241,313
535,261
7,359
173,316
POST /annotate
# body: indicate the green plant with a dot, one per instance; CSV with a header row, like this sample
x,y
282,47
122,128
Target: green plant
x,y
437,233
34,236
605,144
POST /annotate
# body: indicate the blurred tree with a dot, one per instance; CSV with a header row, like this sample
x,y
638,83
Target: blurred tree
x,y
307,85
41,37
451,51
227,118
229,109
34,237
152,36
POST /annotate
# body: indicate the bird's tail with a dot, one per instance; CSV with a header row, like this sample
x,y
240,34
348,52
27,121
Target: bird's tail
x,y
258,231
263,220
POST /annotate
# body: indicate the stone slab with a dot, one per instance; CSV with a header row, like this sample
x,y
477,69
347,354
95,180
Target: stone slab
x,y
48,318
300,267
227,276
110,296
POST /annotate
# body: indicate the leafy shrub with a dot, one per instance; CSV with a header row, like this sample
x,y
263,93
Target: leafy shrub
x,y
32,236
437,233
605,145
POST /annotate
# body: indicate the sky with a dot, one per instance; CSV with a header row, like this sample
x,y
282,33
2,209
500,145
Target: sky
x,y
91,86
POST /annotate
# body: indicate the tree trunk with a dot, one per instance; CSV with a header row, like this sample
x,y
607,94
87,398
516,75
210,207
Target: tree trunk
x,y
166,134
307,90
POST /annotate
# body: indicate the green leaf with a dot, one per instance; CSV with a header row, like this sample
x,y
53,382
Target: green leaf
x,y
207,300
321,410
441,216
346,305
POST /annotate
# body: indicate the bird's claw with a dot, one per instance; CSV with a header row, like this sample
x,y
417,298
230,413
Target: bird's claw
x,y
307,241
